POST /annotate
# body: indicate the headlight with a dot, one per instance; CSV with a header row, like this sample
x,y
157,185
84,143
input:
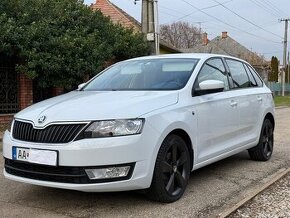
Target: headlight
x,y
110,128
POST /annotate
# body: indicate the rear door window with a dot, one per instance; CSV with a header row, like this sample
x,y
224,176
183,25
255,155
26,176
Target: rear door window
x,y
251,77
257,78
238,74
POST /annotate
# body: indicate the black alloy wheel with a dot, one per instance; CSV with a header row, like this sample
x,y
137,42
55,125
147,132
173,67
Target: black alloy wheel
x,y
172,170
263,151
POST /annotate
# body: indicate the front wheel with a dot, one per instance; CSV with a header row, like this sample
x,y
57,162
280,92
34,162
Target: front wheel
x,y
263,151
172,170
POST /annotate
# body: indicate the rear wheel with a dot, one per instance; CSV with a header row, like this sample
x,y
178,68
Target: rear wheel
x,y
172,170
263,151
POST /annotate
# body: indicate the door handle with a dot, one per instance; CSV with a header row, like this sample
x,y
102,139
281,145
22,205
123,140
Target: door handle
x,y
259,98
234,103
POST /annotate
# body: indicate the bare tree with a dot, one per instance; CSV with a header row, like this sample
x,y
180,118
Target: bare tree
x,y
180,34
255,59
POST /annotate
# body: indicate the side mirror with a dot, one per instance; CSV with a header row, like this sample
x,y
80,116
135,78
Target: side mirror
x,y
209,87
211,84
80,86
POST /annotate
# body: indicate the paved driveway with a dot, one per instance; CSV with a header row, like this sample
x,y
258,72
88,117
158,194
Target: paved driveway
x,y
210,189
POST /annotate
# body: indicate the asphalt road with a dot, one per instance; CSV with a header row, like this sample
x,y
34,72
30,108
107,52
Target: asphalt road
x,y
210,190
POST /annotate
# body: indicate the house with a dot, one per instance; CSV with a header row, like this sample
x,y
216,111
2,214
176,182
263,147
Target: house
x,y
117,15
206,46
226,45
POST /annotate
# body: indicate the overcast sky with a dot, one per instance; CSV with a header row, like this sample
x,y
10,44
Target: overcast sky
x,y
257,28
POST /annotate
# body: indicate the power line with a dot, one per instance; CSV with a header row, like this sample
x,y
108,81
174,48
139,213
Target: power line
x,y
245,19
273,52
216,18
161,7
205,8
170,9
162,12
264,8
273,7
165,12
270,7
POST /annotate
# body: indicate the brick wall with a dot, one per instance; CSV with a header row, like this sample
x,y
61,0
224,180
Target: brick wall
x,y
57,91
25,93
4,121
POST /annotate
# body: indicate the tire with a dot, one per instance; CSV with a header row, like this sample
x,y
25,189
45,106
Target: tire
x,y
172,170
263,151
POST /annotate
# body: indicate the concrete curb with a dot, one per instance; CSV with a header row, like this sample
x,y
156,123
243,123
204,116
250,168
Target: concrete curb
x,y
251,194
282,107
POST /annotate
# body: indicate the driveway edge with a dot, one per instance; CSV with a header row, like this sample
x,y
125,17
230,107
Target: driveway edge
x,y
282,107
252,193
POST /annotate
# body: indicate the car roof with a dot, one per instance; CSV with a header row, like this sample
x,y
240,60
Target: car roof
x,y
202,56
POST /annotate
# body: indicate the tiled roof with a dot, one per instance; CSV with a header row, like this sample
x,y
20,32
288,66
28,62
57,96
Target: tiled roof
x,y
116,14
226,46
232,47
209,48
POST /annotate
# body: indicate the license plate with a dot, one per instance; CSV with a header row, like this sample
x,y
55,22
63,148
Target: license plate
x,y
45,157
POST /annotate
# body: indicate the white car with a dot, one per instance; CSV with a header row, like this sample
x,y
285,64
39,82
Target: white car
x,y
144,123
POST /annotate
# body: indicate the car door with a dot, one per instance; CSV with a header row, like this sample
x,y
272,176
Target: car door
x,y
260,96
246,97
217,116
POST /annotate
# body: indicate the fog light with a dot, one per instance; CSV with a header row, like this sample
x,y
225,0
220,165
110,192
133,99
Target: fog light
x,y
107,173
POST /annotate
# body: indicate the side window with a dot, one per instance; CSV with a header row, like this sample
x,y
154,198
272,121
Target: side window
x,y
257,78
238,73
213,69
251,77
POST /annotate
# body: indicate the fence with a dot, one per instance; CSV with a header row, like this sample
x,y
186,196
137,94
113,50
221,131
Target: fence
x,y
276,88
8,90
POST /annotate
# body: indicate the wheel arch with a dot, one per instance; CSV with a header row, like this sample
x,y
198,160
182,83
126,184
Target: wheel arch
x,y
185,136
270,117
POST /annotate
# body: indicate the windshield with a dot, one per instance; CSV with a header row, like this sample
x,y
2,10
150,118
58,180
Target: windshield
x,y
149,74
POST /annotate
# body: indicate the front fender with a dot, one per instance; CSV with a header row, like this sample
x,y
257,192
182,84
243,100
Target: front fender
x,y
167,121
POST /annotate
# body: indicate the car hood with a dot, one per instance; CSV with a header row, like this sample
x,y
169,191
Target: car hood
x,y
97,105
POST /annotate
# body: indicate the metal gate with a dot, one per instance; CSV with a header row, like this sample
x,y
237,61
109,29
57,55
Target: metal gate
x,y
8,90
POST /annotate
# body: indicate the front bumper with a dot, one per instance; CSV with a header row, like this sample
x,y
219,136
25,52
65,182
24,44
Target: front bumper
x,y
132,184
139,150
62,174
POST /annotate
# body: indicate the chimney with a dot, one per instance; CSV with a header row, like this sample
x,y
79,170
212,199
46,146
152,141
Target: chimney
x,y
204,39
224,35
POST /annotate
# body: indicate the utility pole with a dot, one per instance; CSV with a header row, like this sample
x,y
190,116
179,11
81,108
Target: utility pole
x,y
288,69
150,25
284,55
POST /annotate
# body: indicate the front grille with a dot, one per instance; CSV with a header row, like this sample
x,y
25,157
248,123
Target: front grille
x,y
57,133
62,174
